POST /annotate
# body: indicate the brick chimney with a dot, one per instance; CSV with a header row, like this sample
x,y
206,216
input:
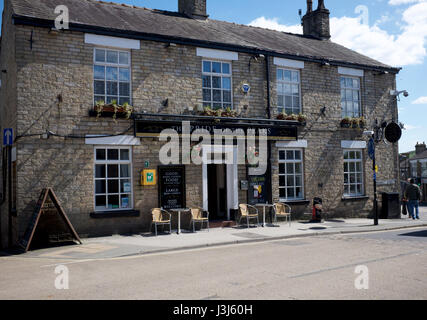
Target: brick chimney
x,y
420,148
316,23
195,9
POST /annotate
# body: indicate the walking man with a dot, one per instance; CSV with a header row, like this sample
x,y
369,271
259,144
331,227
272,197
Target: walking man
x,y
413,195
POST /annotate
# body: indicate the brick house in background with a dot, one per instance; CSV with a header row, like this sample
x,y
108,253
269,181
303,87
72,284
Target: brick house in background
x,y
414,165
168,66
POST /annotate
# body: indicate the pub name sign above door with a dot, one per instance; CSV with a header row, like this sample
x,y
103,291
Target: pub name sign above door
x,y
153,128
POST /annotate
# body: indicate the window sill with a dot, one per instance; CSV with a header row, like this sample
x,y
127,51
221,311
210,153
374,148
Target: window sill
x,y
296,202
358,198
114,214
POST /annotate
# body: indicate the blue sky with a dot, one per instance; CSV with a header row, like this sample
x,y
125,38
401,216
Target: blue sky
x,y
391,31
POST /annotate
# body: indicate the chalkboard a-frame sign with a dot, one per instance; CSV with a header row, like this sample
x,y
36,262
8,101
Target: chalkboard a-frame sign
x,y
172,187
47,209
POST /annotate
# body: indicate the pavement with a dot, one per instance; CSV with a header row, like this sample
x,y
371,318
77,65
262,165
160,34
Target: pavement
x,y
131,245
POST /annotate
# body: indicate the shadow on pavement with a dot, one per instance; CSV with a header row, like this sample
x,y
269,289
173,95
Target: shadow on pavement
x,y
422,233
36,246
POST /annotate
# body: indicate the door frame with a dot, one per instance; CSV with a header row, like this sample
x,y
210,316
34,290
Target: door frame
x,y
232,174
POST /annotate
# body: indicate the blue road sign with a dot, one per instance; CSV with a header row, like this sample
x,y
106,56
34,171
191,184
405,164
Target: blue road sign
x,y
8,137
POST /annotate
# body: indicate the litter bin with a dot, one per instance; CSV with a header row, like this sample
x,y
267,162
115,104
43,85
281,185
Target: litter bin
x,y
317,210
390,206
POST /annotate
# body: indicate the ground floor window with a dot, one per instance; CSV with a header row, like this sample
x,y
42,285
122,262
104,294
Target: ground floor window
x,y
353,173
291,182
113,178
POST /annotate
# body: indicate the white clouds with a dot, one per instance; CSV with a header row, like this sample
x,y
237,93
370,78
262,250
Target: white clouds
x,y
421,100
274,24
410,127
400,2
407,48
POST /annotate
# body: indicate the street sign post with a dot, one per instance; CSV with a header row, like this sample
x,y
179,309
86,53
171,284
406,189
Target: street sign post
x,y
8,137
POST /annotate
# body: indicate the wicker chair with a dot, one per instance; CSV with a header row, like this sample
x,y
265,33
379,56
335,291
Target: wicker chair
x,y
197,216
282,210
160,217
245,213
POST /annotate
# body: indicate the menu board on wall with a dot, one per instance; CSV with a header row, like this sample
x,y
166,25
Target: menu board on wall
x,y
172,187
257,192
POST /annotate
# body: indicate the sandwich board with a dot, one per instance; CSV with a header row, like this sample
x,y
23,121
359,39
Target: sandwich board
x,y
49,222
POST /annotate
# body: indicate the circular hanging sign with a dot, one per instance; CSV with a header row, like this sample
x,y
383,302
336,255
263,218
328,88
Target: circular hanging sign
x,y
393,132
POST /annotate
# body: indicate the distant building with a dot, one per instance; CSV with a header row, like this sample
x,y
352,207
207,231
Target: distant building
x,y
414,165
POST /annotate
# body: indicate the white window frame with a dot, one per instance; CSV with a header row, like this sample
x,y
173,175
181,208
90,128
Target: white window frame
x,y
414,169
279,82
213,74
116,65
346,113
347,186
301,161
118,162
423,169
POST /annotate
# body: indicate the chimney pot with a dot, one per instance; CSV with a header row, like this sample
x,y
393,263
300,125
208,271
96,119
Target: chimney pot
x,y
195,9
420,148
316,23
309,6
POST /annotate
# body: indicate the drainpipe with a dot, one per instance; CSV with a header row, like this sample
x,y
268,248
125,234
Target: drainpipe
x,y
267,71
9,195
269,173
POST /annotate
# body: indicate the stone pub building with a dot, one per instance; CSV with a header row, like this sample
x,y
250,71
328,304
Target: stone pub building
x,y
103,162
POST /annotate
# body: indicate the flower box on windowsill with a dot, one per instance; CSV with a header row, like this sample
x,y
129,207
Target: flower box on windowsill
x,y
110,110
223,113
301,118
353,123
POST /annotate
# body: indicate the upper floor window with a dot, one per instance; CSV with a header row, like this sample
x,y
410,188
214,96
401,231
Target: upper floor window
x,y
288,91
424,169
291,184
350,97
217,84
414,169
353,173
111,74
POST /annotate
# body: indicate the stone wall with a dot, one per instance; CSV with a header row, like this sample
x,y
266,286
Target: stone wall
x,y
55,92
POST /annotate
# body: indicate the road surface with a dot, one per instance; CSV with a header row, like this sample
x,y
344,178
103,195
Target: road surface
x,y
389,265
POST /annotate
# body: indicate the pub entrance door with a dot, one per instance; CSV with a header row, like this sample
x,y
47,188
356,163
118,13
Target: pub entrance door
x,y
217,192
220,181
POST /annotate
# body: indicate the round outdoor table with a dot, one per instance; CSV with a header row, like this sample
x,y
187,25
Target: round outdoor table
x,y
264,205
179,217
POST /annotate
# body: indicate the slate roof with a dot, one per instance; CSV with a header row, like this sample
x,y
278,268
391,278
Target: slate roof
x,y
136,22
